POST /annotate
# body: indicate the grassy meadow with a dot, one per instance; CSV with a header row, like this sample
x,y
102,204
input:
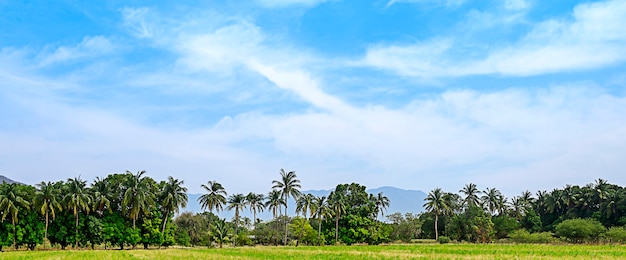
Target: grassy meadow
x,y
421,251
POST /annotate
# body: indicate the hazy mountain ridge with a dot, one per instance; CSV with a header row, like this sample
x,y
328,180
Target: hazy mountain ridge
x,y
7,180
401,201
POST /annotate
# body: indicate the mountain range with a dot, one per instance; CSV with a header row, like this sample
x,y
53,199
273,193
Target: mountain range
x,y
7,180
401,200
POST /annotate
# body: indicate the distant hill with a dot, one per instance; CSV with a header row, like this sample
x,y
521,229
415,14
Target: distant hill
x,y
7,180
402,201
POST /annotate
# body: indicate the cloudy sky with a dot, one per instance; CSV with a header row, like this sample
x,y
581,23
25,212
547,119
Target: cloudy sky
x,y
416,94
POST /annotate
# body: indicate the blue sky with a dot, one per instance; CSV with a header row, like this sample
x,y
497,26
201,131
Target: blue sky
x,y
417,94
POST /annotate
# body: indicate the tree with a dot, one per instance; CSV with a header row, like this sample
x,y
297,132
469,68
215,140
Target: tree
x,y
304,204
492,200
46,200
173,196
337,202
138,197
215,198
289,186
101,191
381,203
11,200
236,202
77,199
435,203
321,211
471,195
579,230
274,201
256,203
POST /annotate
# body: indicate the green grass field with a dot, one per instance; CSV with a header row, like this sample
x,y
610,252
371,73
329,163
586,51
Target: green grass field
x,y
432,251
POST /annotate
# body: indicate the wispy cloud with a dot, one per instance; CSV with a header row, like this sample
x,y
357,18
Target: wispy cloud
x,y
592,38
288,3
87,48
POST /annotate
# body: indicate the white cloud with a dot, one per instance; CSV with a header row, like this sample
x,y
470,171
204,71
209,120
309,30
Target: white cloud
x,y
593,38
287,3
448,3
90,46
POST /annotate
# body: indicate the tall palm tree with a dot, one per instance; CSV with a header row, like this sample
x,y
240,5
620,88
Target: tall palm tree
x,y
471,195
320,210
101,190
337,202
77,199
238,203
435,203
138,197
215,198
47,201
381,203
11,200
304,204
492,199
173,196
289,186
273,203
256,203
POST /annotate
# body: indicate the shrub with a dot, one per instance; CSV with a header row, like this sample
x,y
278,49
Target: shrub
x,y
444,240
580,230
523,236
616,235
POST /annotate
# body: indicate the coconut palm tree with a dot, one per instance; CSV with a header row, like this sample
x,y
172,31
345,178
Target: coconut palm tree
x,y
273,203
256,203
471,195
173,196
11,200
381,203
320,210
435,203
304,204
238,203
337,202
289,186
138,197
47,201
492,199
100,191
77,199
215,198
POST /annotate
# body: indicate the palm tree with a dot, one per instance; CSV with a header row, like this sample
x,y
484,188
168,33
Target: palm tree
x,y
173,196
11,200
435,203
215,198
471,195
274,201
337,202
101,191
304,203
77,199
381,203
289,187
46,200
238,203
256,203
321,210
492,199
138,197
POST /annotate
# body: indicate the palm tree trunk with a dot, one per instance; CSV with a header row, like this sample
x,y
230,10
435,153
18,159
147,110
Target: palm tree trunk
x,y
209,223
286,220
76,237
436,231
45,234
14,235
319,231
337,229
165,223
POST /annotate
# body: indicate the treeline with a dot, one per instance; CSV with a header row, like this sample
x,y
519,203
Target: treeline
x,y
126,210
591,213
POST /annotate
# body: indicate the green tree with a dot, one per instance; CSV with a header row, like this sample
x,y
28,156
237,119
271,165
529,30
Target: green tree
x,y
471,195
321,210
337,202
215,198
236,202
47,201
138,196
289,186
381,203
77,199
11,201
256,203
173,196
101,192
579,230
273,203
435,203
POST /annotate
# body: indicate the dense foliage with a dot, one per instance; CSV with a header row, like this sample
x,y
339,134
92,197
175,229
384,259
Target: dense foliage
x,y
130,210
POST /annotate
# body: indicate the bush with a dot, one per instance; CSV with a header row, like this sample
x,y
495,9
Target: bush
x,y
523,236
444,240
580,230
616,235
